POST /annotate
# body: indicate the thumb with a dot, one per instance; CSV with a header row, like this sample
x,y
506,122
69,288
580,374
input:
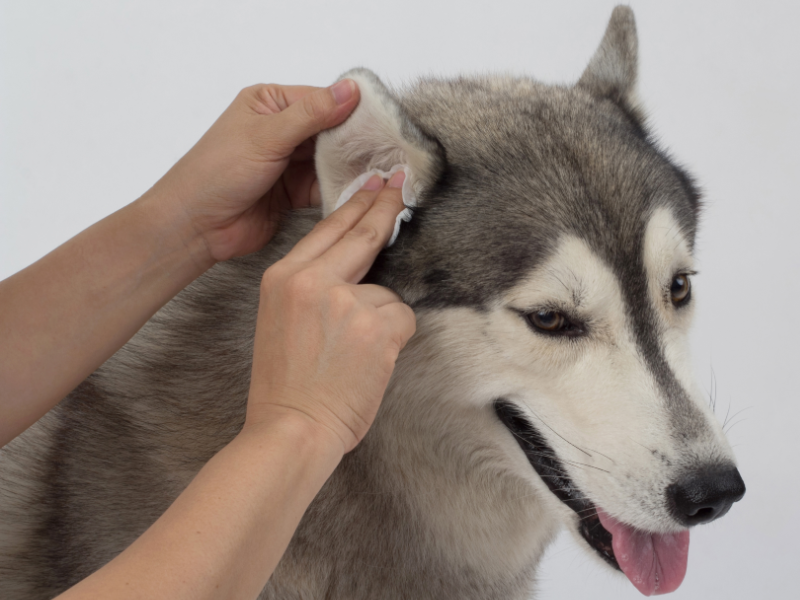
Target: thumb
x,y
311,114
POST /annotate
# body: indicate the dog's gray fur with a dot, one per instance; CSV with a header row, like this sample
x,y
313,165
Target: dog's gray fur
x,y
437,501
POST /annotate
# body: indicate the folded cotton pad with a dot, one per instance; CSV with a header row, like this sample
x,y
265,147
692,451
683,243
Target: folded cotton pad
x,y
409,198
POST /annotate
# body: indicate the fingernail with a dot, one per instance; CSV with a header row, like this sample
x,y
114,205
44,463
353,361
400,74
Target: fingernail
x,y
343,90
397,180
373,183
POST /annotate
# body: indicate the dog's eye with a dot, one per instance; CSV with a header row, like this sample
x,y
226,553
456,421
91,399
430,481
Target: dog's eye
x,y
680,290
553,322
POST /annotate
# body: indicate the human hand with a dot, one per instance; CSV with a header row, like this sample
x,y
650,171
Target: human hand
x,y
255,162
326,347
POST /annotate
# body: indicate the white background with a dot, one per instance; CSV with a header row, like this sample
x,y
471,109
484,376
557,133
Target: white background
x,y
98,99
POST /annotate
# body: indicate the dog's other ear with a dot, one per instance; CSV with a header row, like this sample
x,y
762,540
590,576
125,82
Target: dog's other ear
x,y
612,72
377,135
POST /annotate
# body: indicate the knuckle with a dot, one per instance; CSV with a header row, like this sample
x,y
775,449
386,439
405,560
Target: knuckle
x,y
335,223
365,328
411,319
341,300
301,285
402,328
250,93
390,355
262,98
271,278
246,92
366,233
265,92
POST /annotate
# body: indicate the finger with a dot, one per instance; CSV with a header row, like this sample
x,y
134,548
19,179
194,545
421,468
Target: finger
x,y
336,225
289,94
309,115
376,295
402,322
315,196
351,257
298,180
268,99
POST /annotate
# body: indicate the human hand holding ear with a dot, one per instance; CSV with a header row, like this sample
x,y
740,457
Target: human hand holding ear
x,y
253,163
326,346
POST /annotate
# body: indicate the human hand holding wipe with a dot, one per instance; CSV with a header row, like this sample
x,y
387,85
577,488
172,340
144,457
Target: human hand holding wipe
x,y
315,324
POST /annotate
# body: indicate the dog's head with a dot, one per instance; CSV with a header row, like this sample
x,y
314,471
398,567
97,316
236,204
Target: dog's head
x,y
554,241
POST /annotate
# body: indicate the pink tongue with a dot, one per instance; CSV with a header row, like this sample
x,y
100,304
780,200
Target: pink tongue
x,y
654,562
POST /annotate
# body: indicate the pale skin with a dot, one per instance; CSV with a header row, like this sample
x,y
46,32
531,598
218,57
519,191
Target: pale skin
x,y
325,345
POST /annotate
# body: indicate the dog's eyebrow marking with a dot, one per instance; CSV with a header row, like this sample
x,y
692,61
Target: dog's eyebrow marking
x,y
552,271
577,296
576,292
665,240
677,238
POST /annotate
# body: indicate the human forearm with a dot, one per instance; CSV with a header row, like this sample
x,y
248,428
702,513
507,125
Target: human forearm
x,y
225,534
63,316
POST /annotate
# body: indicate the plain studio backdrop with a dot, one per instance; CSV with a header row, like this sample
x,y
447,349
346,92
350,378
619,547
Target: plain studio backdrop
x,y
98,99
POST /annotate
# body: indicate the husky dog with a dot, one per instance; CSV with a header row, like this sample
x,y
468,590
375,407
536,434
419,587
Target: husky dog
x,y
549,262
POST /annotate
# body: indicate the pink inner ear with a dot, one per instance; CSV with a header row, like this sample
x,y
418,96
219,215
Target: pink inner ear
x,y
379,133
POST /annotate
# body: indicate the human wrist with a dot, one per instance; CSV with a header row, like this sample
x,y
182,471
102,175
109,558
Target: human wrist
x,y
296,429
163,211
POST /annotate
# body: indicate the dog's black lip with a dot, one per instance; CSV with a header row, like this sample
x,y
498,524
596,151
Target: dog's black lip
x,y
545,462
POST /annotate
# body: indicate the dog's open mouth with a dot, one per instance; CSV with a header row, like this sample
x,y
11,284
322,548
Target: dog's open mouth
x,y
655,563
544,460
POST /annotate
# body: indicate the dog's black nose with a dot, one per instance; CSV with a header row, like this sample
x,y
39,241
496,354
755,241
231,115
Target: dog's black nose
x,y
705,495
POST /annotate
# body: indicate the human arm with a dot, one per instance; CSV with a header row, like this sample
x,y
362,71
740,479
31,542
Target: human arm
x,y
63,316
225,533
324,351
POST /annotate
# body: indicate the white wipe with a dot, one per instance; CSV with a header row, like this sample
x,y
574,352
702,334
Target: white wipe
x,y
409,198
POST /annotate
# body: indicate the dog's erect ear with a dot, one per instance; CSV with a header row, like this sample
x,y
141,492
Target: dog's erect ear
x,y
378,135
612,72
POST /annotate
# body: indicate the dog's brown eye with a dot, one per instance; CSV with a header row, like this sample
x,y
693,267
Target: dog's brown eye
x,y
549,321
680,289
